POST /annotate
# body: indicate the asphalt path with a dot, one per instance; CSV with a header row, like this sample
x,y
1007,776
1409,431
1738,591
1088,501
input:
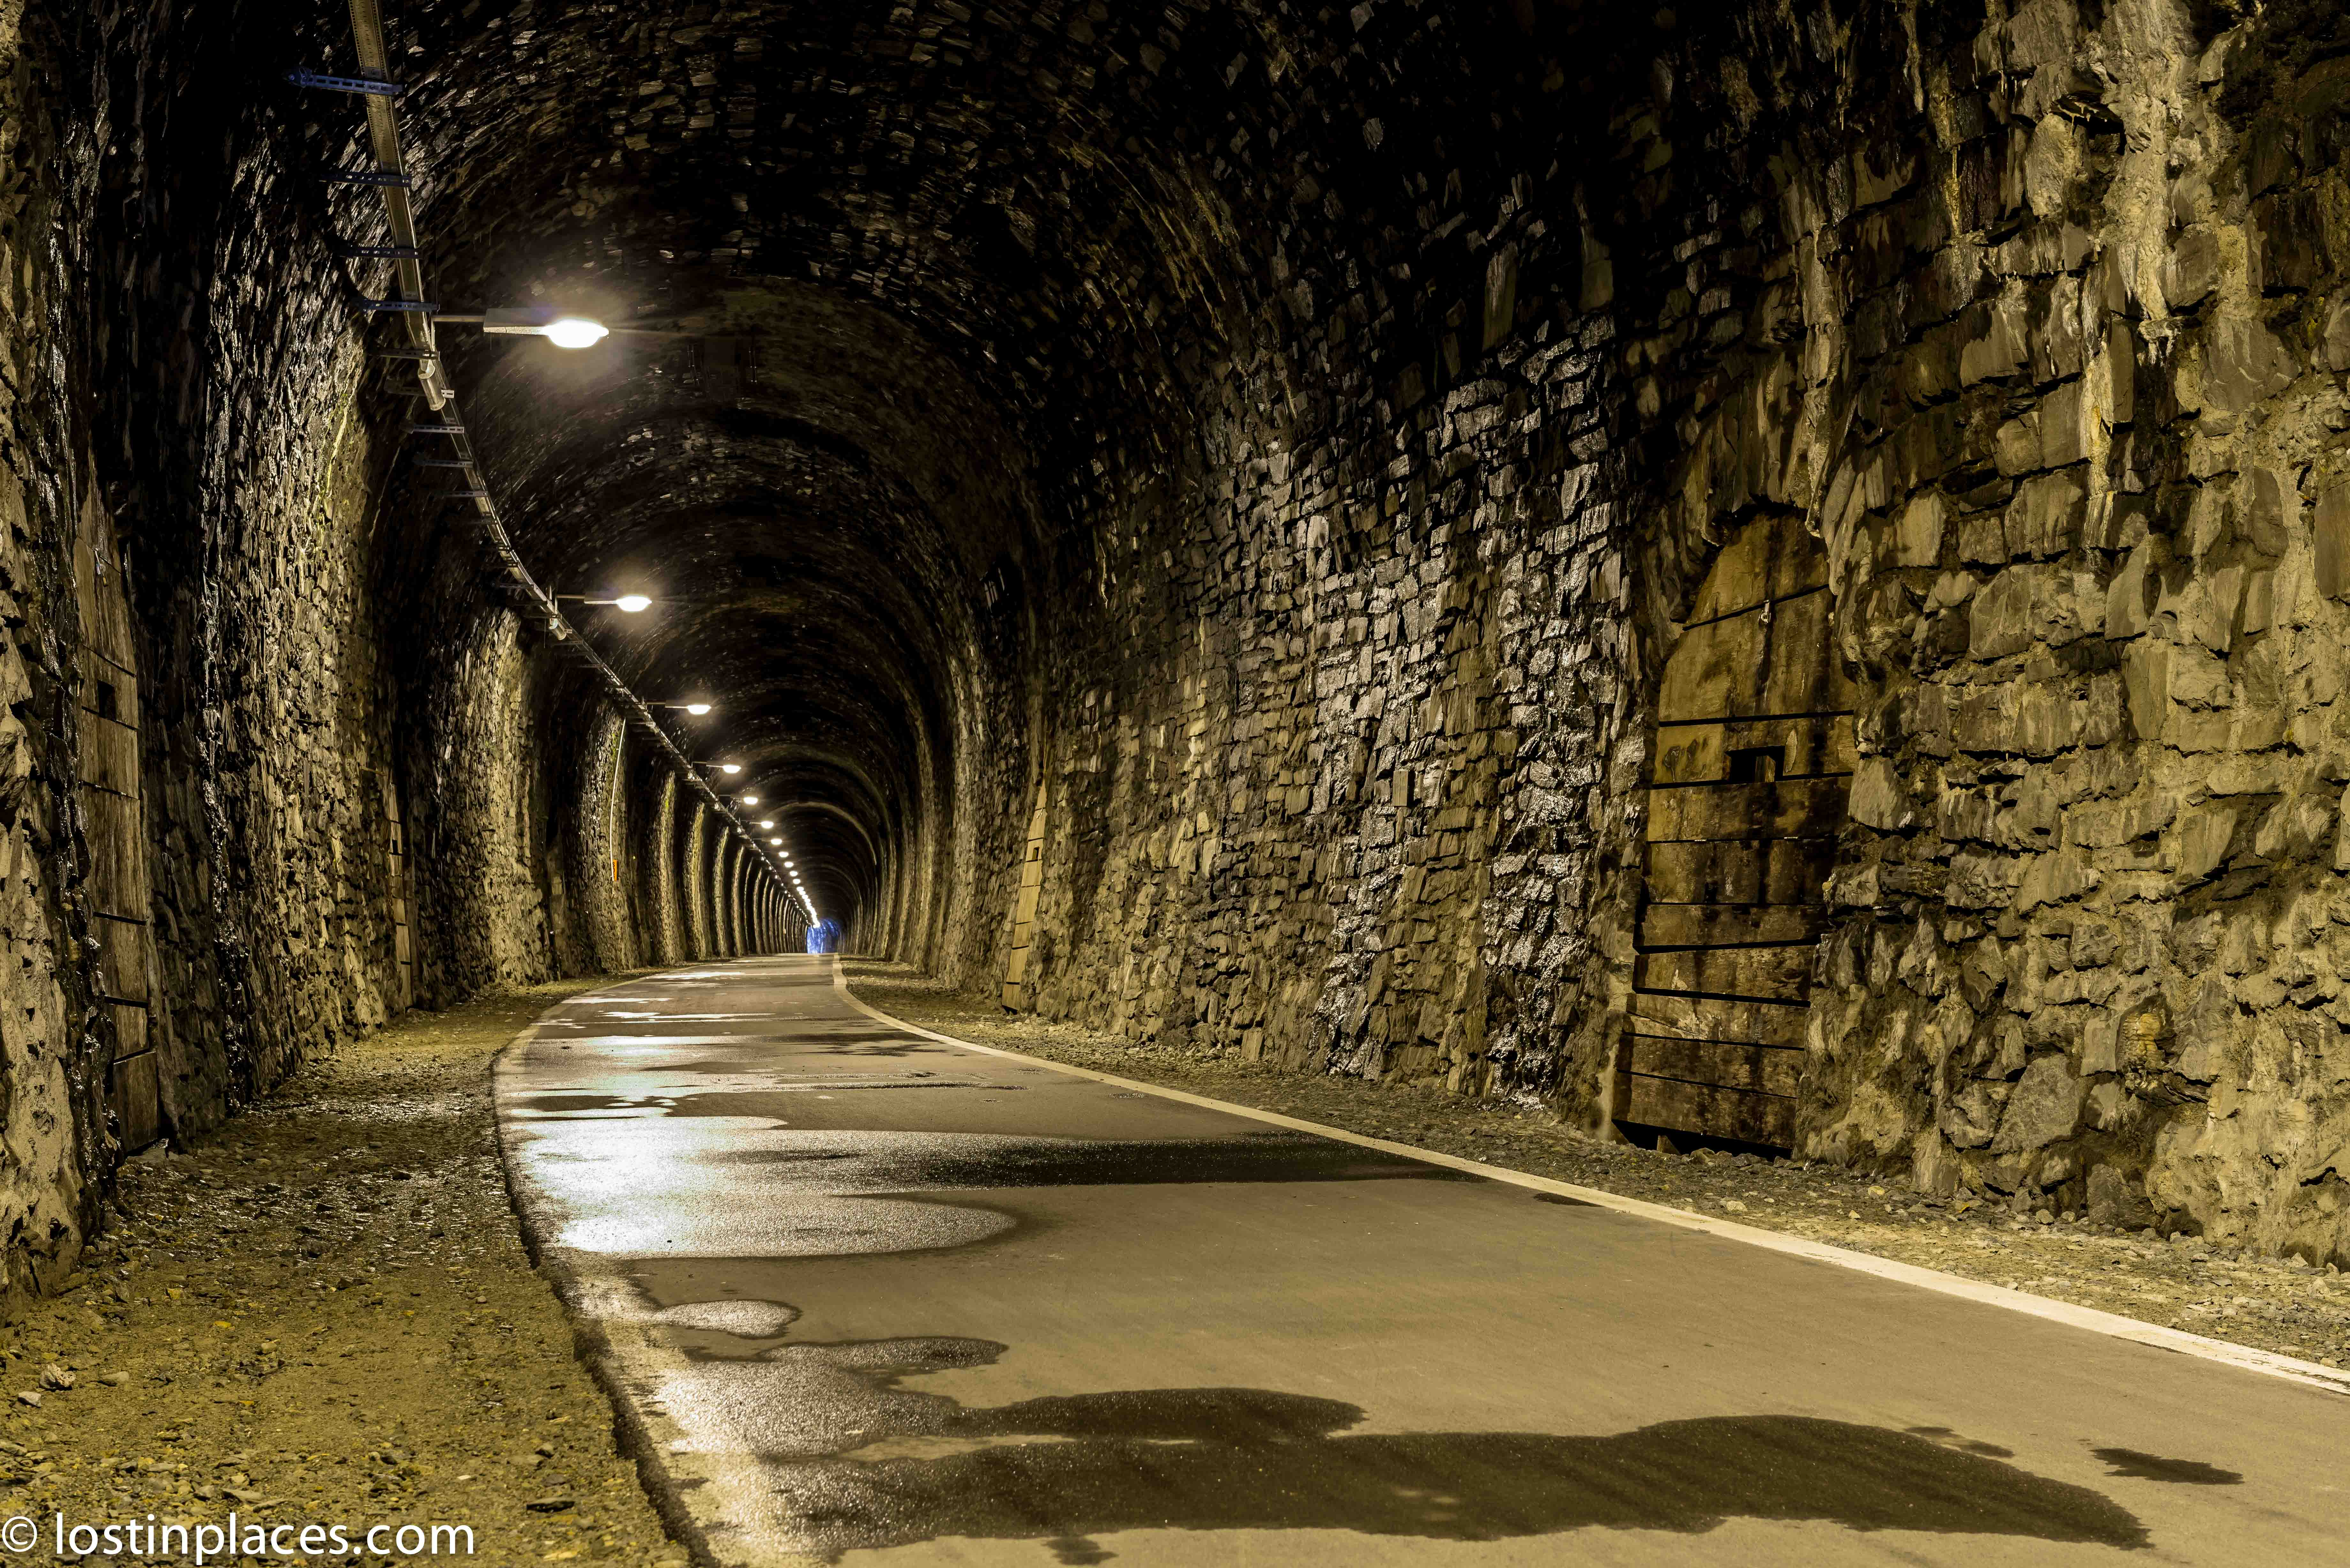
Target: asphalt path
x,y
864,1295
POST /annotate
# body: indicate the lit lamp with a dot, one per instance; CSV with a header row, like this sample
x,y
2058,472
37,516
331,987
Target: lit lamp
x,y
696,708
560,327
628,604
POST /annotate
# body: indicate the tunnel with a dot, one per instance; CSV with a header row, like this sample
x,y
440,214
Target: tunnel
x,y
1771,580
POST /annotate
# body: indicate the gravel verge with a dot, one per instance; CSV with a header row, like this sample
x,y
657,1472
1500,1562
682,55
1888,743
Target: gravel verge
x,y
324,1313
2280,1305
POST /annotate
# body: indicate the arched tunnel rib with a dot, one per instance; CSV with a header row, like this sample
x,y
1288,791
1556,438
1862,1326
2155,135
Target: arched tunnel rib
x,y
1757,582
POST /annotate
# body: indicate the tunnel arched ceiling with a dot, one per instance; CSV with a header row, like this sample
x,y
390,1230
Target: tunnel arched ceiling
x,y
882,266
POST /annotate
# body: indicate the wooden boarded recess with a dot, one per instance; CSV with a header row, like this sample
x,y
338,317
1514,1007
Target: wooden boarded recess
x,y
1019,984
1751,767
107,737
403,941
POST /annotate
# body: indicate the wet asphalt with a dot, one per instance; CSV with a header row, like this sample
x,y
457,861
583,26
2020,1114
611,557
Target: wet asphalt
x,y
862,1296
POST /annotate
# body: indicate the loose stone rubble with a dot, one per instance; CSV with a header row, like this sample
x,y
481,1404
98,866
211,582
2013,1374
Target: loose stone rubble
x,y
324,1313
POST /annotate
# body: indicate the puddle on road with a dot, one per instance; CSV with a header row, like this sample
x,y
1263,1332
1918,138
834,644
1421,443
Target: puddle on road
x,y
723,1103
813,1225
859,1462
740,1319
647,1044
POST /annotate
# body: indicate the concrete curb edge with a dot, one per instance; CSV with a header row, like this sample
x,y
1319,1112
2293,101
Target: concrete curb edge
x,y
589,1342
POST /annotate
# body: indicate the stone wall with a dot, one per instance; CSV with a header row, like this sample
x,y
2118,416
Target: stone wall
x,y
661,912
480,849
233,644
2030,319
1294,447
2038,348
54,1039
2085,520
1368,788
600,848
1346,775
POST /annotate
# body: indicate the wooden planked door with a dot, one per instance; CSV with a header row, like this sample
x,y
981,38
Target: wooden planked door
x,y
108,721
403,944
1751,760
1019,985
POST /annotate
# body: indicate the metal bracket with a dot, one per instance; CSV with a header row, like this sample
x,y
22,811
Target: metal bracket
x,y
424,305
381,253
366,177
408,354
468,496
440,463
372,86
436,430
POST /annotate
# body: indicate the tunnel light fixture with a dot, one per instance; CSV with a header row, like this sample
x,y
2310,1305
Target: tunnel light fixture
x,y
575,332
774,841
561,327
765,824
564,329
749,800
628,604
697,709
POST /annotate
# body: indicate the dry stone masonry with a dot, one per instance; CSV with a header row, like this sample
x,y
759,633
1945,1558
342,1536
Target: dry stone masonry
x,y
2026,323
1768,574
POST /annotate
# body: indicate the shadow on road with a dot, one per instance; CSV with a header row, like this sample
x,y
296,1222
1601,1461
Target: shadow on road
x,y
1083,1466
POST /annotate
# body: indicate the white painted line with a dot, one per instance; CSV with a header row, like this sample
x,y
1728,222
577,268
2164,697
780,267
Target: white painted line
x,y
2112,1324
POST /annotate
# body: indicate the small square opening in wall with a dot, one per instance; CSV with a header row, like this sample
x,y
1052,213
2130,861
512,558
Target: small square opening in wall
x,y
108,705
1755,764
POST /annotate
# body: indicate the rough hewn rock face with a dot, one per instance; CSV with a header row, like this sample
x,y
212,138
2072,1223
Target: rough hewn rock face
x,y
232,660
2030,319
54,1039
2078,517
